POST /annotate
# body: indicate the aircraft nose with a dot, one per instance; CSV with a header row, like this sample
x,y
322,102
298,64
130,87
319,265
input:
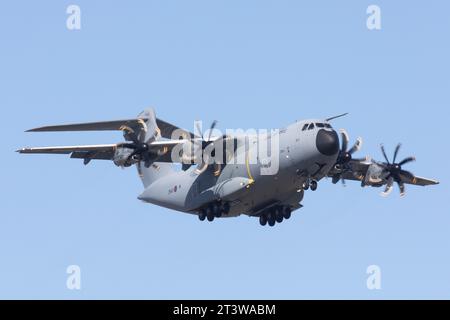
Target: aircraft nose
x,y
327,142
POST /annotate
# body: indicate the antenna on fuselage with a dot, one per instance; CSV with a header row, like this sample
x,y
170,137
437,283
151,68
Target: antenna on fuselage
x,y
335,117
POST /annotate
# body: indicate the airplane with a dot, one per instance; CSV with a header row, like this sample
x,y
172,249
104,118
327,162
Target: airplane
x,y
232,182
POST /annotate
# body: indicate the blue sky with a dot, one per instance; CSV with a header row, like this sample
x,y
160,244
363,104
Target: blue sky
x,y
259,64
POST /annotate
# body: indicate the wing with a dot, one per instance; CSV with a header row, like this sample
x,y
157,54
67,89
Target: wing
x,y
419,181
161,148
166,128
88,153
357,171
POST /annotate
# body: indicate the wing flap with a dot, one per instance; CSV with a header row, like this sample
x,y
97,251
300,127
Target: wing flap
x,y
91,155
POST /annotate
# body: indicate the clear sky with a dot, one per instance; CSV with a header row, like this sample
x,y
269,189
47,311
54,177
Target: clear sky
x,y
258,64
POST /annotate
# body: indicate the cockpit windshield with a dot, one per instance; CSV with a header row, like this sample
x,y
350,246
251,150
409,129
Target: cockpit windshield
x,y
311,126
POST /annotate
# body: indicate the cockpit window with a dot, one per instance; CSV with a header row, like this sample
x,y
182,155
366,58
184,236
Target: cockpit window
x,y
311,126
320,125
327,125
305,126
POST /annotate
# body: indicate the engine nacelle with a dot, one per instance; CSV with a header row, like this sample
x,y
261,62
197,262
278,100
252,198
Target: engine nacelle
x,y
122,157
375,176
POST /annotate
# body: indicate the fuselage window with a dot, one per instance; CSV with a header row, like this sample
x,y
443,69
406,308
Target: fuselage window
x,y
311,126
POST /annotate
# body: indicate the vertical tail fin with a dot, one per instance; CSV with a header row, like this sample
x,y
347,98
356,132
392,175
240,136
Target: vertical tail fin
x,y
152,133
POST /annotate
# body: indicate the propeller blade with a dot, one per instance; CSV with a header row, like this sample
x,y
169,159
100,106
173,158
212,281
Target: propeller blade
x,y
384,154
205,143
211,129
389,188
407,160
139,168
345,140
336,178
394,173
135,139
357,146
397,149
401,185
199,129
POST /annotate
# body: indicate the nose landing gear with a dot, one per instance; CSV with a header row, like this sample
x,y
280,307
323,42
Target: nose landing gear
x,y
310,184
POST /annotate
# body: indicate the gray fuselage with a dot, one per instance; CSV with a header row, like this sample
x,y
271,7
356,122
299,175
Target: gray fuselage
x,y
306,152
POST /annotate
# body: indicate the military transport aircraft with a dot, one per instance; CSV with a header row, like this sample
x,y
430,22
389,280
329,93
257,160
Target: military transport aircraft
x,y
212,182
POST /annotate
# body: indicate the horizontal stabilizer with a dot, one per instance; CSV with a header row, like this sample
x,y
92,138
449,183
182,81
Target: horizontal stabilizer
x,y
135,124
89,126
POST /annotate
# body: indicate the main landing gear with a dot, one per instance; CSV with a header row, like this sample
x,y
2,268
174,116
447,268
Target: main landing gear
x,y
275,214
310,184
214,210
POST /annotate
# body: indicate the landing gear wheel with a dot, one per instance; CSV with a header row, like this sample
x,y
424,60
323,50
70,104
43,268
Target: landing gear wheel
x,y
279,218
271,219
263,220
216,210
278,215
287,213
306,186
313,185
209,215
202,215
226,208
